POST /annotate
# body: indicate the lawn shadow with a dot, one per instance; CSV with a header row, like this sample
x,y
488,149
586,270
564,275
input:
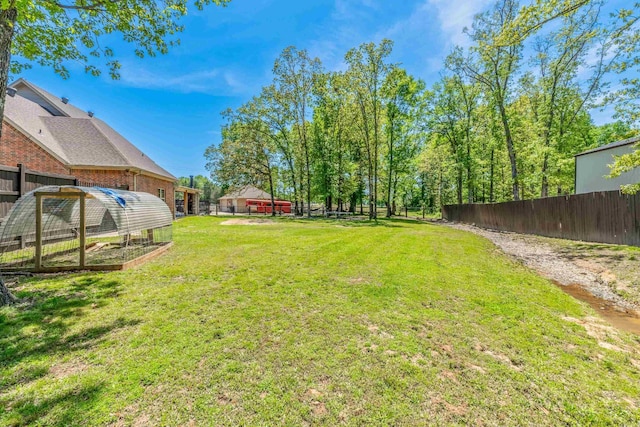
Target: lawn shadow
x,y
602,252
63,408
39,325
382,222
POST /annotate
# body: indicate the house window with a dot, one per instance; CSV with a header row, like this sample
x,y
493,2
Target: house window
x,y
161,194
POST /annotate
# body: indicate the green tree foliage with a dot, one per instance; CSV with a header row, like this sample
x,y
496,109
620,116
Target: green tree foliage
x,y
53,33
402,108
503,122
210,191
294,72
626,163
367,72
245,156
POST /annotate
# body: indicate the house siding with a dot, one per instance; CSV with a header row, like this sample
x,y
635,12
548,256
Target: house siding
x,y
15,148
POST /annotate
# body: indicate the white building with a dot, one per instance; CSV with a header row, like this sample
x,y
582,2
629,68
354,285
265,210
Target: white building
x,y
592,167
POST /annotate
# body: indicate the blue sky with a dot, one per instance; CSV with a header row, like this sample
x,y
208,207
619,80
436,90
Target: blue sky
x,y
169,106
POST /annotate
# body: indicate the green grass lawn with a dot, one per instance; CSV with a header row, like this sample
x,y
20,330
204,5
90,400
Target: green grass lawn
x,y
313,322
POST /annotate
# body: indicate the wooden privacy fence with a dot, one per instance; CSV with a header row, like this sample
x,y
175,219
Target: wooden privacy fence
x,y
604,217
15,182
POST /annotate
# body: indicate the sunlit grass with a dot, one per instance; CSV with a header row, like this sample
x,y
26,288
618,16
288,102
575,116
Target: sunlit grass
x,y
322,322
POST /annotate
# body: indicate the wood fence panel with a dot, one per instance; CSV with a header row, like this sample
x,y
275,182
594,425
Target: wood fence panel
x,y
16,181
604,217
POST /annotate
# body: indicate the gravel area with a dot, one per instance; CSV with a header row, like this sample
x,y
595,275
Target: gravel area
x,y
548,262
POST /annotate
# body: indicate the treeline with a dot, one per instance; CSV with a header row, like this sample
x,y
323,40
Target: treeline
x,y
210,191
503,122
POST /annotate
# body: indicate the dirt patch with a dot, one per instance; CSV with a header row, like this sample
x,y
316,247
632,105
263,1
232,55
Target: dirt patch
x,y
247,221
606,335
63,370
564,268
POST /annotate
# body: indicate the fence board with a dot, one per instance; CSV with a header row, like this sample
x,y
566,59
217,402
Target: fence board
x,y
22,180
603,217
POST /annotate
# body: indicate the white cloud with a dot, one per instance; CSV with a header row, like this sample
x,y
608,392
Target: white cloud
x,y
215,81
456,15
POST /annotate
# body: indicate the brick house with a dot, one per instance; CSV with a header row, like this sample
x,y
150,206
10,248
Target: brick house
x,y
47,134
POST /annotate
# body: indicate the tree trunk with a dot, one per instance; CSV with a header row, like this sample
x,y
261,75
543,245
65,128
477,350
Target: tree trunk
x,y
390,209
459,184
469,177
308,184
5,296
545,180
491,174
273,200
511,150
7,26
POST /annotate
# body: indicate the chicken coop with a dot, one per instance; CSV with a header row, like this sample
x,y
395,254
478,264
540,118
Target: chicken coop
x,y
65,228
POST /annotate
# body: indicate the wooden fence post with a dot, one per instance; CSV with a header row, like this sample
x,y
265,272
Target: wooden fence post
x,y
22,181
83,229
38,260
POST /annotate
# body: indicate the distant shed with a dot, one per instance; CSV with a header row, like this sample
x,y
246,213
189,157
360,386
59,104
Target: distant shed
x,y
592,167
236,201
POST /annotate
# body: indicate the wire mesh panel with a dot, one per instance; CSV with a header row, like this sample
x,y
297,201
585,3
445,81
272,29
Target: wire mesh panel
x,y
64,226
60,237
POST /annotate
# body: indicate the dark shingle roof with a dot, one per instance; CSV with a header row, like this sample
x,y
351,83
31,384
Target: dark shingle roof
x,y
70,135
624,142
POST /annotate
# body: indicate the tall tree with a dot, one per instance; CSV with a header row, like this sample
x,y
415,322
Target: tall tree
x,y
401,100
294,72
559,96
494,66
367,71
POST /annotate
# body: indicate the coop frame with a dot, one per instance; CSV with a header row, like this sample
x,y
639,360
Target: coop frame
x,y
73,192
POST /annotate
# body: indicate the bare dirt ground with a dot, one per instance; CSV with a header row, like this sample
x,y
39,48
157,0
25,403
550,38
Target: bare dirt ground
x,y
609,273
247,221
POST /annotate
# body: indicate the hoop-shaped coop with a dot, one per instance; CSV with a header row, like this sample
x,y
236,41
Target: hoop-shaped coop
x,y
61,228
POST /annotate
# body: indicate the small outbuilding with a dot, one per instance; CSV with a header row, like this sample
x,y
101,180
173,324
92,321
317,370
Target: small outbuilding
x,y
63,228
238,201
592,167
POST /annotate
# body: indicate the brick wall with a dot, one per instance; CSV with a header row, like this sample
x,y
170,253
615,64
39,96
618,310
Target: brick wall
x,y
151,185
105,178
117,178
16,148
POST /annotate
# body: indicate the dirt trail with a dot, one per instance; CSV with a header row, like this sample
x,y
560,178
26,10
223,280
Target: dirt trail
x,y
247,221
573,275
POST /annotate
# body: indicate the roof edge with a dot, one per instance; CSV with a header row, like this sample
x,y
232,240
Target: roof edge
x,y
124,168
36,141
37,90
182,189
621,143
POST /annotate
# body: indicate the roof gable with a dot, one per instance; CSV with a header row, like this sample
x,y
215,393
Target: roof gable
x,y
70,134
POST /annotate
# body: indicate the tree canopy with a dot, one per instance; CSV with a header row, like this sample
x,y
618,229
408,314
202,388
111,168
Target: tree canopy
x,y
503,122
54,33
